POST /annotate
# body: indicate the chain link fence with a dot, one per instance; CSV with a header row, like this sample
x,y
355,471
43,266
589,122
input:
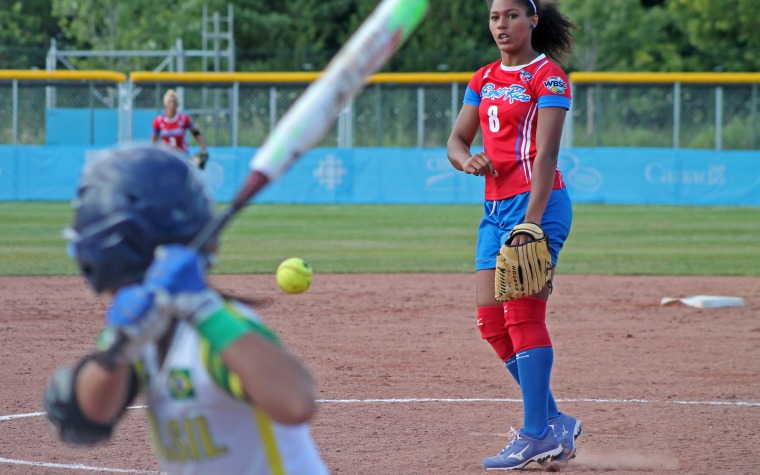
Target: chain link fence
x,y
713,111
243,114
38,108
692,116
384,115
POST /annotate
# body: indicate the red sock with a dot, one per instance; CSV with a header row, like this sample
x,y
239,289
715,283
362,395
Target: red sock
x,y
492,328
526,323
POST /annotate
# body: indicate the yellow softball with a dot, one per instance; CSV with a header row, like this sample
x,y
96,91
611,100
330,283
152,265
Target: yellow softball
x,y
294,275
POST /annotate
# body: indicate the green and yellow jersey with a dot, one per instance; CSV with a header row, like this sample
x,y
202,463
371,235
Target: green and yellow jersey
x,y
201,422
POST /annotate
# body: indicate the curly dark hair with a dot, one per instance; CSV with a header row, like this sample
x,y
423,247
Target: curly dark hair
x,y
553,34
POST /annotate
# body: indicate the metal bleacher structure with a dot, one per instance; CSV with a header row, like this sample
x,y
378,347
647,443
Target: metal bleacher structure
x,y
217,55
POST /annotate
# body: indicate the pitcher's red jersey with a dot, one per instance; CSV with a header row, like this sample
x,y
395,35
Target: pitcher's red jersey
x,y
508,99
172,131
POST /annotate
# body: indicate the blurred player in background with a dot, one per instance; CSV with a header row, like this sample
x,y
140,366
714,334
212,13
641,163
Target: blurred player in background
x,y
171,127
519,103
224,395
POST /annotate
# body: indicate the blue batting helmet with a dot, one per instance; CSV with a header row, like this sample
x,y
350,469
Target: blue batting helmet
x,y
129,202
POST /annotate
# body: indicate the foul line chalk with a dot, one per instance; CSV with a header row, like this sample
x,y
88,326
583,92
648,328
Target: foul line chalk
x,y
40,414
476,400
21,416
76,467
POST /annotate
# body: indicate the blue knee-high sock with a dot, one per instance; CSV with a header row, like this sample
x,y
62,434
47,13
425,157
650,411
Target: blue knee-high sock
x,y
551,408
534,367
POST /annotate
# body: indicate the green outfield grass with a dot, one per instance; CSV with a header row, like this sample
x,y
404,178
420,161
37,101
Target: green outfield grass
x,y
605,239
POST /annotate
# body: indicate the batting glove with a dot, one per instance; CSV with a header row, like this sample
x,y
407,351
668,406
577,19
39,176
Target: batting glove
x,y
180,272
136,318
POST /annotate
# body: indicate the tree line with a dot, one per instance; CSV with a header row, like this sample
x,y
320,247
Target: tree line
x,y
297,35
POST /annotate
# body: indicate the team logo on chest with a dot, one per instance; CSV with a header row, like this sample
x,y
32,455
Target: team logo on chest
x,y
180,384
512,93
556,85
525,75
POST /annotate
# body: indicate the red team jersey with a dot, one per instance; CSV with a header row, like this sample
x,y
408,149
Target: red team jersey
x,y
508,99
172,131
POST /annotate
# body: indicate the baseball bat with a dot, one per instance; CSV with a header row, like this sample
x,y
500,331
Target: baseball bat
x,y
312,115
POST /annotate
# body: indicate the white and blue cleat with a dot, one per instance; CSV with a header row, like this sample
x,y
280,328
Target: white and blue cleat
x,y
524,449
567,428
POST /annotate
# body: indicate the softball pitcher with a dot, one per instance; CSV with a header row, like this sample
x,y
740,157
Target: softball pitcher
x,y
519,103
224,396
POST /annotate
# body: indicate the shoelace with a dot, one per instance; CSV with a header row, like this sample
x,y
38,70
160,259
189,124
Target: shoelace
x,y
513,436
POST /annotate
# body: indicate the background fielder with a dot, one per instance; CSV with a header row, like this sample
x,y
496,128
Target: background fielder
x,y
171,128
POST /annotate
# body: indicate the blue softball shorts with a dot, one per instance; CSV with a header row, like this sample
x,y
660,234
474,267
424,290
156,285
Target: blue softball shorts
x,y
499,217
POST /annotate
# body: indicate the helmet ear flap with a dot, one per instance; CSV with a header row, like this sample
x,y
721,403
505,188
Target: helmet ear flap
x,y
113,258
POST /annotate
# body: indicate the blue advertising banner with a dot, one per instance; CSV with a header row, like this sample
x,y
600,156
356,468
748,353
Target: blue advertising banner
x,y
421,176
662,176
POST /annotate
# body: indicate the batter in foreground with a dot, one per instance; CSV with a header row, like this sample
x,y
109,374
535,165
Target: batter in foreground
x,y
223,394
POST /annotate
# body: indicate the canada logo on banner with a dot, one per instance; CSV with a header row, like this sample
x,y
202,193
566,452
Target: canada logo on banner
x,y
329,172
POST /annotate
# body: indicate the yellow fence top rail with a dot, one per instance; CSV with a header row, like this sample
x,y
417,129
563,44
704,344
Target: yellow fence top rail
x,y
381,78
34,75
292,77
144,76
666,78
421,78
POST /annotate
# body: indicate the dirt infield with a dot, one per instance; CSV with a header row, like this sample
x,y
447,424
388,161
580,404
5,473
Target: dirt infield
x,y
408,387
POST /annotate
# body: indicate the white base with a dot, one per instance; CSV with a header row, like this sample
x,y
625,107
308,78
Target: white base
x,y
706,301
